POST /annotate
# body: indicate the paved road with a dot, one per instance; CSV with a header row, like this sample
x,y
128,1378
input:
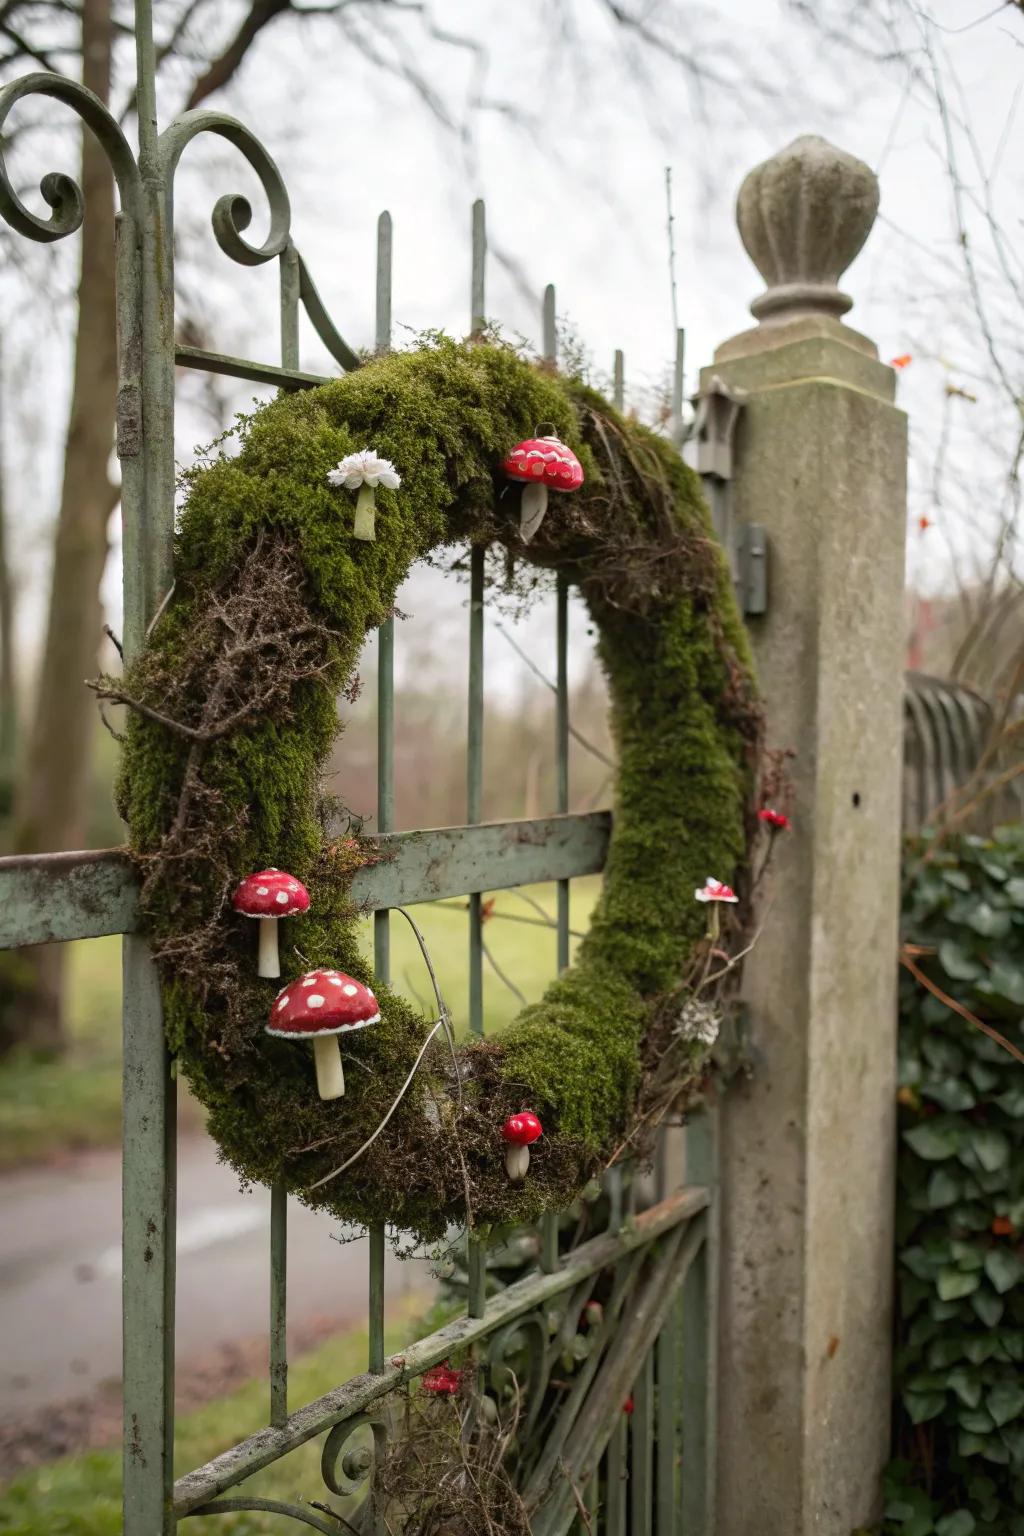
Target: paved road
x,y
60,1271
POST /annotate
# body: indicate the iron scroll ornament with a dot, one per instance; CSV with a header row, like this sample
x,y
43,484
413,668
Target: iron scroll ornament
x,y
232,213
60,192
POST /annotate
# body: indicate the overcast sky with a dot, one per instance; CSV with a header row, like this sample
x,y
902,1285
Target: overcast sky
x,y
571,157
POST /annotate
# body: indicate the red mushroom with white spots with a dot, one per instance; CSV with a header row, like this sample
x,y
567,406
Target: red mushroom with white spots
x,y
519,1131
541,464
318,1008
268,896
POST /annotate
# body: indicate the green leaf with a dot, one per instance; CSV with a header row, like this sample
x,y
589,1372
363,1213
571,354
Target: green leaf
x,y
967,1256
1012,1340
992,1147
1003,1268
944,1188
953,1283
943,1054
1012,1103
958,962
942,1311
923,1265
1013,1438
1005,1401
935,1139
951,1093
966,1385
957,878
990,922
912,1292
922,1331
959,1523
982,1076
994,1183
995,1451
988,1307
923,1405
970,1445
1015,890
944,1351
977,1420
970,1216
979,1348
1005,980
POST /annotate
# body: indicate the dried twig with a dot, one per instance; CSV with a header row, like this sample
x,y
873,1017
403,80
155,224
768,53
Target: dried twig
x,y
907,954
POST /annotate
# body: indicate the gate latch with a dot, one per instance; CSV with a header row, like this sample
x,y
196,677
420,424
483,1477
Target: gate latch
x,y
717,411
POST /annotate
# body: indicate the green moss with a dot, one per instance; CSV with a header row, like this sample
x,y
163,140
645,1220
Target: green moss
x,y
636,541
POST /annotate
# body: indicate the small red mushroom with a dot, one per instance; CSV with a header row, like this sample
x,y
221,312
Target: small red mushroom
x,y
777,820
268,896
519,1131
541,464
320,1006
442,1380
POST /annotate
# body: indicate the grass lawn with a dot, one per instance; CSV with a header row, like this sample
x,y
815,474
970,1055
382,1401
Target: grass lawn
x,y
82,1495
50,1107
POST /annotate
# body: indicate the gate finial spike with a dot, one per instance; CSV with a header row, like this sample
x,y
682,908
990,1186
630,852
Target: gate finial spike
x,y
803,216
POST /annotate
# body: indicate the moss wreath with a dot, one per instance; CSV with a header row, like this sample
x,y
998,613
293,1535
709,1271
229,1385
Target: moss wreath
x,y
233,715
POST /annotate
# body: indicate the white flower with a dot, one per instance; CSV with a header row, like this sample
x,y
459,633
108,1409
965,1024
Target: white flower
x,y
714,890
364,468
698,1021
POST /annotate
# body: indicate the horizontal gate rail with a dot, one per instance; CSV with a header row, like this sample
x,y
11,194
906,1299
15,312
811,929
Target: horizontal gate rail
x,y
51,897
244,368
197,1488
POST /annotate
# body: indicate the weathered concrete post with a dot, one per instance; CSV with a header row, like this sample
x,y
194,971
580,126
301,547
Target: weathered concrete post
x,y
808,1144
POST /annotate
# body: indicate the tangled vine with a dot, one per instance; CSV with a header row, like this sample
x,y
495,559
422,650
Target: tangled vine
x,y
233,712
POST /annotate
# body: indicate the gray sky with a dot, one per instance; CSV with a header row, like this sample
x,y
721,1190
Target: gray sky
x,y
575,195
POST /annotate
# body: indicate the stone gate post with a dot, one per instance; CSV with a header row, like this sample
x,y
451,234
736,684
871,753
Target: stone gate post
x,y
808,1142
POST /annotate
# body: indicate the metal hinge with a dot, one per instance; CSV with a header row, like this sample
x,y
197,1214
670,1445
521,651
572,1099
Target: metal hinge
x,y
710,440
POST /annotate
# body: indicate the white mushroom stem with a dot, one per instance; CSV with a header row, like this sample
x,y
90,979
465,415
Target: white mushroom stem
x,y
330,1074
532,509
517,1160
366,503
269,961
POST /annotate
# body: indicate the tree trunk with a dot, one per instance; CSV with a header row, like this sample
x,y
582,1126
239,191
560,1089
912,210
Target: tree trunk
x,y
8,672
53,799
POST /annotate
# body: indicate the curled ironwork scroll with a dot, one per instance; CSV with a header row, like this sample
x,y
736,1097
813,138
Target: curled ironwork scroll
x,y
62,193
271,1507
233,213
347,1469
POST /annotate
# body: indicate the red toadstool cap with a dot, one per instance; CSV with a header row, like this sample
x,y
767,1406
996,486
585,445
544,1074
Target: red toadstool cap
x,y
544,461
322,1003
522,1129
270,893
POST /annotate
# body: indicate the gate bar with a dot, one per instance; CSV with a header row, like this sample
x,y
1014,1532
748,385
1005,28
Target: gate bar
x,y
476,1252
48,898
385,795
288,277
475,703
149,1151
549,1221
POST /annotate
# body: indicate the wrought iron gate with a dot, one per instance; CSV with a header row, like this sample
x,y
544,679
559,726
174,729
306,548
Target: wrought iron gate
x,y
588,1464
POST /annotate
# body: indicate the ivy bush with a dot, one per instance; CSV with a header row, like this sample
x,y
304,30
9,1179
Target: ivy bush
x,y
959,1367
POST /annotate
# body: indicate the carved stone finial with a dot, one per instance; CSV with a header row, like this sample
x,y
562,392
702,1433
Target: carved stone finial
x,y
803,216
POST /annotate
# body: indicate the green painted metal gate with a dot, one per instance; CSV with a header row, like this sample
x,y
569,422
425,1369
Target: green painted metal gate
x,y
580,1461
